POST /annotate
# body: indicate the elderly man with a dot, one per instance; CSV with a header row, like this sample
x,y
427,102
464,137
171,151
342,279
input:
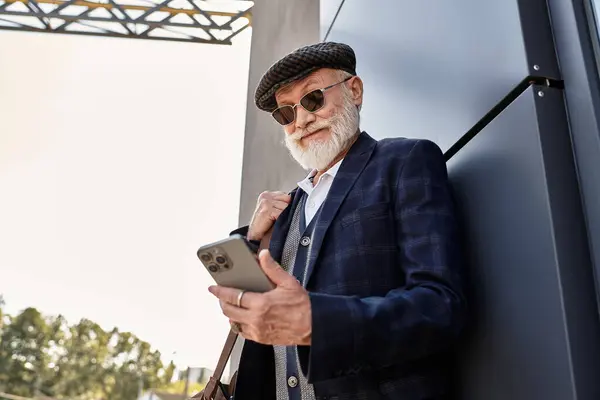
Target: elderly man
x,y
364,253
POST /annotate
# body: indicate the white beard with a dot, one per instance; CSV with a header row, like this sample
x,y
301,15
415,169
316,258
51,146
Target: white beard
x,y
319,154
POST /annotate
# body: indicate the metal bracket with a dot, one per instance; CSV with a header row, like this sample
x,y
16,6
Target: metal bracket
x,y
194,21
499,107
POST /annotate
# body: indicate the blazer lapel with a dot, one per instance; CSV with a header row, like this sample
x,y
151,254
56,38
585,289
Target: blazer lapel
x,y
353,164
282,226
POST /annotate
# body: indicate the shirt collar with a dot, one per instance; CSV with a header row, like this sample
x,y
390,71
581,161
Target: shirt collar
x,y
306,183
333,170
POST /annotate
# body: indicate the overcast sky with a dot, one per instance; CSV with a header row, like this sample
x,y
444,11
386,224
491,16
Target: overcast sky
x,y
118,159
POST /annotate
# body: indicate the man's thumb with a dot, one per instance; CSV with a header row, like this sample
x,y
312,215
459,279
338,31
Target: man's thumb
x,y
274,272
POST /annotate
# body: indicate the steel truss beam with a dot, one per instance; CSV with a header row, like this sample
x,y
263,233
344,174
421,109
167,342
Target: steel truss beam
x,y
214,22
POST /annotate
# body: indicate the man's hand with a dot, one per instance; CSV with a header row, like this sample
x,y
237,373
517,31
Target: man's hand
x,y
268,208
281,316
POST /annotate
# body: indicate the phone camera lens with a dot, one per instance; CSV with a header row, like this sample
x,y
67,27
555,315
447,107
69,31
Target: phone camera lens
x,y
221,259
213,268
205,257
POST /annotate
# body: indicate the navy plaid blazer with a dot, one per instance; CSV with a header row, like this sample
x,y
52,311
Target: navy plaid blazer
x,y
384,280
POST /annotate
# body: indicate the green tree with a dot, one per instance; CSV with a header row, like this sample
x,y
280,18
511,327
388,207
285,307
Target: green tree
x,y
178,387
48,356
1,315
24,353
135,367
78,358
1,307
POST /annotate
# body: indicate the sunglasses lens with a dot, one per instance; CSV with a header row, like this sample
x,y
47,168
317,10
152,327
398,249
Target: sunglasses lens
x,y
284,115
313,101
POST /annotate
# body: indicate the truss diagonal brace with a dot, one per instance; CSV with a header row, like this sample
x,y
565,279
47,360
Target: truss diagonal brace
x,y
156,20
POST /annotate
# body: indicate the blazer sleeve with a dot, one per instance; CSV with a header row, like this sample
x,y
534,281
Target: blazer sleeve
x,y
253,245
351,333
242,230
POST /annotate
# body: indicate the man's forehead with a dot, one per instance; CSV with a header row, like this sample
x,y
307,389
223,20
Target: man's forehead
x,y
316,78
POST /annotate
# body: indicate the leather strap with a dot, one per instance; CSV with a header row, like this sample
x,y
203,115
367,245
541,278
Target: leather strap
x,y
227,349
264,242
214,388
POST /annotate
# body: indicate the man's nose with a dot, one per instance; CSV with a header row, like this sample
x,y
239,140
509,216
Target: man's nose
x,y
303,117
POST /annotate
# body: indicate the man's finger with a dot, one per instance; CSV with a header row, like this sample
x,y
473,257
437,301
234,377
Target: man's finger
x,y
280,205
282,197
230,296
234,313
226,294
274,272
275,213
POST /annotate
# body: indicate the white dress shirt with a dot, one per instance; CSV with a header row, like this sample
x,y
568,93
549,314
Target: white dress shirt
x,y
318,193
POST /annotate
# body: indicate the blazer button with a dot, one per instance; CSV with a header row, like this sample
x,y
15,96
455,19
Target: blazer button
x,y
292,381
305,241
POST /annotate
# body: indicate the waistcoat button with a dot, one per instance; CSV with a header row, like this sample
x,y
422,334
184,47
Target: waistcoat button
x,y
292,381
305,241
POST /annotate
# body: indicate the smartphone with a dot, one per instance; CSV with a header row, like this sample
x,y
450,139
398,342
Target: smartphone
x,y
232,264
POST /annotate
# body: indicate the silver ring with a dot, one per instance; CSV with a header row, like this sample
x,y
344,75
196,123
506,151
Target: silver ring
x,y
236,327
239,298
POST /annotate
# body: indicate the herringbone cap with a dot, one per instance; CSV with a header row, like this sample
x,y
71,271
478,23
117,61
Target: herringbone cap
x,y
299,64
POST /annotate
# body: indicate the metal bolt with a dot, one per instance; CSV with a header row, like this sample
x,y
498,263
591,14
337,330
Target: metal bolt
x,y
536,67
541,94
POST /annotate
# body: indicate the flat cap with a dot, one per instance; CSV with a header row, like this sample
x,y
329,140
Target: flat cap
x,y
299,64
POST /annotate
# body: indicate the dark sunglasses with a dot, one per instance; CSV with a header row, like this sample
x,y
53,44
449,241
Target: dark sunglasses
x,y
311,102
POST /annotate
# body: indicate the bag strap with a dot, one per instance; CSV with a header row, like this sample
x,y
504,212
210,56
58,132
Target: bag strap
x,y
266,240
214,387
225,353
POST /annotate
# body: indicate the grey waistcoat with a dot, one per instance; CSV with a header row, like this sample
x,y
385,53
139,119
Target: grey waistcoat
x,y
296,250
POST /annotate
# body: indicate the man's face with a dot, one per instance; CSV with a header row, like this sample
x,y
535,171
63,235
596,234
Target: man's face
x,y
316,139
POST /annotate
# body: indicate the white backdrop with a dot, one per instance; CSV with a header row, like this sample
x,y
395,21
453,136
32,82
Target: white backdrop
x,y
118,158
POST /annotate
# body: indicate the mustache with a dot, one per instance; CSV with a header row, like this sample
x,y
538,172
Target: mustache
x,y
312,128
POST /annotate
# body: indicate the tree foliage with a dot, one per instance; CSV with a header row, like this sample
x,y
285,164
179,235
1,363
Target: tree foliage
x,y
177,387
46,356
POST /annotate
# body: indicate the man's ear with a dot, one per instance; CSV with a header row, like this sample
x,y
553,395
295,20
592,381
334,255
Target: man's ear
x,y
356,87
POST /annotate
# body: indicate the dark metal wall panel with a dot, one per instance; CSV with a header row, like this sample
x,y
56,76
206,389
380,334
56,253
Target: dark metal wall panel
x,y
582,89
432,69
532,297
